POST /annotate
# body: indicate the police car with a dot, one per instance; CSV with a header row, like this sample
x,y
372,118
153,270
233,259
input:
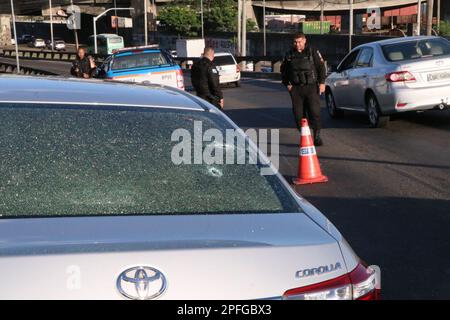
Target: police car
x,y
147,64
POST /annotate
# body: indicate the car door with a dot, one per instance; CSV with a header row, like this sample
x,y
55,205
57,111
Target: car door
x,y
341,84
358,78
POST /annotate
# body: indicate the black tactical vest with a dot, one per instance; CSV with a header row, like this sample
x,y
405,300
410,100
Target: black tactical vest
x,y
301,68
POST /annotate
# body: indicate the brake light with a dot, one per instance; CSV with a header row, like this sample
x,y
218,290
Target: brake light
x,y
360,284
401,76
180,79
238,69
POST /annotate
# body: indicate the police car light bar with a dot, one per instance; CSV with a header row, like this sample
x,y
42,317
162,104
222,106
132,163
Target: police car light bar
x,y
151,46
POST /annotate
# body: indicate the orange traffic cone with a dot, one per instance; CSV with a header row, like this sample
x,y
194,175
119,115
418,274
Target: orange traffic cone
x,y
308,163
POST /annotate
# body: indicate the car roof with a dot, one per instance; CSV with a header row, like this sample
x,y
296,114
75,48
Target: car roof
x,y
397,40
55,90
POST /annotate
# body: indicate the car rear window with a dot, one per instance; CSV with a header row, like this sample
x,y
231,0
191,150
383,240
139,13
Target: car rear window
x,y
224,60
416,49
94,161
140,60
115,40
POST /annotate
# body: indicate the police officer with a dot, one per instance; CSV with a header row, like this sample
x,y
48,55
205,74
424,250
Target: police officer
x,y
83,67
205,79
303,73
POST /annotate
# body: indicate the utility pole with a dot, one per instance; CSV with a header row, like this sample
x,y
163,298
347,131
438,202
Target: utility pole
x,y
419,16
15,37
146,21
430,7
438,16
350,33
51,25
239,28
244,29
75,32
264,28
322,5
117,18
201,16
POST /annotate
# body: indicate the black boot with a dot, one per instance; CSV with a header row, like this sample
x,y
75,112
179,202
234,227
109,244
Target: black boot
x,y
317,140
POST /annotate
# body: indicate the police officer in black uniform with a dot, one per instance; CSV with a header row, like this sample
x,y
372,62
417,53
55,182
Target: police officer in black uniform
x,y
303,73
83,67
205,79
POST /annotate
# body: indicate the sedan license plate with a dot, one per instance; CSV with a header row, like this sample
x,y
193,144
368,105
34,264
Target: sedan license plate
x,y
438,76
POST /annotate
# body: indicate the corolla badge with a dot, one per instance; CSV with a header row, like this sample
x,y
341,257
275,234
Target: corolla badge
x,y
318,270
141,283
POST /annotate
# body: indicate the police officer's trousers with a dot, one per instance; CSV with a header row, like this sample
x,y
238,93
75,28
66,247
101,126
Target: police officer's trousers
x,y
306,103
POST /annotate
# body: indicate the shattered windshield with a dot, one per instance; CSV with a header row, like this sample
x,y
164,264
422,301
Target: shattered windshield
x,y
90,161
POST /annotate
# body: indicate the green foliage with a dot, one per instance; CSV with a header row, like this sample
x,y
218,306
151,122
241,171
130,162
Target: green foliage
x,y
444,28
183,17
221,19
180,19
251,25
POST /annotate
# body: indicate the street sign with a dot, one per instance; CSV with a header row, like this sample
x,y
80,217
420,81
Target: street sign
x,y
374,18
114,22
125,22
74,19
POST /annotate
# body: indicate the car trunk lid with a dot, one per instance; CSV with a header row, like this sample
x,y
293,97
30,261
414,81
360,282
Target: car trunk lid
x,y
429,72
201,256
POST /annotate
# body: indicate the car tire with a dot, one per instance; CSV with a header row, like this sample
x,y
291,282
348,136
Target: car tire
x,y
331,106
376,119
237,84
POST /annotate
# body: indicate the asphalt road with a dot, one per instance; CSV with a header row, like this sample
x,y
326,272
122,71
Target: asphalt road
x,y
388,189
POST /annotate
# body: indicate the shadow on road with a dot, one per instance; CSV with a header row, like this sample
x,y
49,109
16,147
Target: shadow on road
x,y
414,265
262,117
381,162
434,119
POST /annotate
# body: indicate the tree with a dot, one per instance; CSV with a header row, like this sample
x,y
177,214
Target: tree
x,y
221,20
179,19
251,25
221,16
444,29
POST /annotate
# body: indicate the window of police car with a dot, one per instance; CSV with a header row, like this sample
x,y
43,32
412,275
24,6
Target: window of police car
x,y
140,60
100,160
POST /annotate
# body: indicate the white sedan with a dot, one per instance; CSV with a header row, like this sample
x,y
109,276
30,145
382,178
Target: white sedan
x,y
93,205
391,76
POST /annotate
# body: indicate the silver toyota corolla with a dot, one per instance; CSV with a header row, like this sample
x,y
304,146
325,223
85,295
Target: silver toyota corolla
x,y
390,76
92,205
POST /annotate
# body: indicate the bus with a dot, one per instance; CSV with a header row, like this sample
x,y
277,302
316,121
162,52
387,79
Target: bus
x,y
106,44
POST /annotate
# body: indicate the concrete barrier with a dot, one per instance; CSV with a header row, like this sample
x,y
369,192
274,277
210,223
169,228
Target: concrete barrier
x,y
11,68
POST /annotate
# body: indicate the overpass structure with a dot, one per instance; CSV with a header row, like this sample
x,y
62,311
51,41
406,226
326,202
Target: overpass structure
x,y
302,6
35,6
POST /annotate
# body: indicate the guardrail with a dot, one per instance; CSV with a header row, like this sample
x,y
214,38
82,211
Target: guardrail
x,y
39,55
12,68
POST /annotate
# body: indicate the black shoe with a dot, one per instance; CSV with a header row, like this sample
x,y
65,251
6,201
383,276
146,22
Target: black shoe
x,y
317,139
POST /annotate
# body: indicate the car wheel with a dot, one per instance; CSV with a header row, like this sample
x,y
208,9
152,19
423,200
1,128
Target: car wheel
x,y
376,119
237,84
331,106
